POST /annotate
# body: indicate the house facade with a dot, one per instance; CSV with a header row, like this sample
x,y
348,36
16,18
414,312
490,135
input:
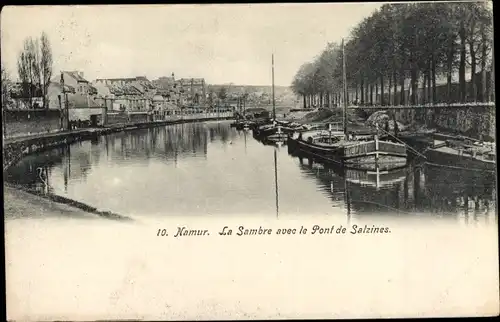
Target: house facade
x,y
193,89
76,89
127,94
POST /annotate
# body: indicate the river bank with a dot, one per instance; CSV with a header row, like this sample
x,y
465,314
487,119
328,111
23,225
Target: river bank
x,y
19,204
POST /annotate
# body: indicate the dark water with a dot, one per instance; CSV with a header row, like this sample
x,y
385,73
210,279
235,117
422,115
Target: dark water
x,y
211,169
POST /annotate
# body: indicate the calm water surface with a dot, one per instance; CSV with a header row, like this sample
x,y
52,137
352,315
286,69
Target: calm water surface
x,y
211,169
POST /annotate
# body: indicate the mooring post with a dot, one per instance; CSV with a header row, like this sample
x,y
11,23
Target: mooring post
x,y
376,147
104,115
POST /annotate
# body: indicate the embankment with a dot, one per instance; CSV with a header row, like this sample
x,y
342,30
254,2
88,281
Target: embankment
x,y
20,203
472,120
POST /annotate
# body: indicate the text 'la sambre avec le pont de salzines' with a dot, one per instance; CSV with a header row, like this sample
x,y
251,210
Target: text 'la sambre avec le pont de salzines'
x,y
314,230
251,231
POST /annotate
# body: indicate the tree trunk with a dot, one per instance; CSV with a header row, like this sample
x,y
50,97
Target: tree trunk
x,y
357,96
376,92
433,77
371,94
389,90
429,84
382,100
461,69
367,93
473,78
492,75
395,84
304,100
414,70
402,100
483,94
362,89
414,85
451,54
424,89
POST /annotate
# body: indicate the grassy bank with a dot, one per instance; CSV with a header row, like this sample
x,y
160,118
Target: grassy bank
x,y
20,204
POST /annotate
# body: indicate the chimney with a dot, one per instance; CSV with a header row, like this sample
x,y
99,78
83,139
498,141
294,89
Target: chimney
x,y
80,74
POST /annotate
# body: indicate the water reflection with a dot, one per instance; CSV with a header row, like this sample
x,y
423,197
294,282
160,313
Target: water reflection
x,y
414,190
210,168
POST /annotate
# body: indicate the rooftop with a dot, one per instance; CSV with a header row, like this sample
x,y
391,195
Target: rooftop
x,y
76,75
138,78
78,100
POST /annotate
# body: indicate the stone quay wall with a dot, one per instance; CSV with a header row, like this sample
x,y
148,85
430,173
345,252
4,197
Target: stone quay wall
x,y
476,121
27,122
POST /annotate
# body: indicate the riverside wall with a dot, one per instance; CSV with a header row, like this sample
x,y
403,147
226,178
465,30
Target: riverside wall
x,y
16,148
27,122
476,121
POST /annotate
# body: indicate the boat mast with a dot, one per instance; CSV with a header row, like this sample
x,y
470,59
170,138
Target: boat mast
x,y
276,182
274,106
344,88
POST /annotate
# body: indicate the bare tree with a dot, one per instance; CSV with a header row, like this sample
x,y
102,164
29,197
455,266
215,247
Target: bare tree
x,y
45,67
36,78
6,88
27,70
34,67
22,70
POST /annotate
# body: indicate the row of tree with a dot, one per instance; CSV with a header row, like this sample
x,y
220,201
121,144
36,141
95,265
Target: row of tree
x,y
399,51
34,68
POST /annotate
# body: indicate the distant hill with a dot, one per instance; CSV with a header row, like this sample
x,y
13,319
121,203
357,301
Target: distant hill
x,y
278,90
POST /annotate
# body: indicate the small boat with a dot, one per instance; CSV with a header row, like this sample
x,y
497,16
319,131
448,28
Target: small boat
x,y
274,130
354,154
462,154
278,136
271,128
256,123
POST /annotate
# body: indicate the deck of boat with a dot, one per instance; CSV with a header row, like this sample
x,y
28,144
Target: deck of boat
x,y
451,157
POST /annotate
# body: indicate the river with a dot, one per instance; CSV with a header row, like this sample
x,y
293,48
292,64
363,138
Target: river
x,y
211,169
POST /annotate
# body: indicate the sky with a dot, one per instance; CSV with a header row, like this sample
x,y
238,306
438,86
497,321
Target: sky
x,y
226,43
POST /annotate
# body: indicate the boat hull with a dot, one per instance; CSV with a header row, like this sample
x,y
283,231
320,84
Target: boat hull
x,y
372,162
453,159
277,138
337,155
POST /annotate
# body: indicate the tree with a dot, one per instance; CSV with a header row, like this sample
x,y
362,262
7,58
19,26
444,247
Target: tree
x,y
211,95
34,67
222,94
409,41
45,67
6,89
24,77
